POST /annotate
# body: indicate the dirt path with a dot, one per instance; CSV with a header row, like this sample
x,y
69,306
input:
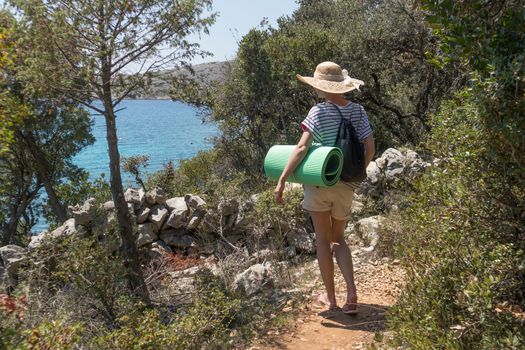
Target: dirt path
x,y
314,328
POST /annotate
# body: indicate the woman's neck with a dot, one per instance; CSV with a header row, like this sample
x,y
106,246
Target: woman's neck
x,y
337,99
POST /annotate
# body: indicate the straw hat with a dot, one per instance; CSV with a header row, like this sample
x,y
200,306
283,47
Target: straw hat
x,y
330,78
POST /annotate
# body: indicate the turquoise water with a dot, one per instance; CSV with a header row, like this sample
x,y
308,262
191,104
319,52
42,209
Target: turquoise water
x,y
163,129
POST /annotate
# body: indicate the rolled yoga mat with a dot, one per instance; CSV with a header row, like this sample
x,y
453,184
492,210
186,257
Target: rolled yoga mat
x,y
321,166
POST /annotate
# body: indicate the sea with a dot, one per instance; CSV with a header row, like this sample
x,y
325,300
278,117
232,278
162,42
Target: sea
x,y
162,129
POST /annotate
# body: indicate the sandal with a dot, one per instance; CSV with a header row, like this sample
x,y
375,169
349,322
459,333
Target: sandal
x,y
324,300
350,308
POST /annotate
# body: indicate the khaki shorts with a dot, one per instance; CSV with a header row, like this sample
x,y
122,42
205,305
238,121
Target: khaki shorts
x,y
337,200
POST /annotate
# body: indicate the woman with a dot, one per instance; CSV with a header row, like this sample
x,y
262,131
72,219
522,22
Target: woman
x,y
330,208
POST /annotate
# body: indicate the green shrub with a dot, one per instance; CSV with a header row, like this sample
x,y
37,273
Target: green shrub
x,y
281,216
53,335
205,324
465,287
12,314
78,278
205,174
274,221
76,191
15,334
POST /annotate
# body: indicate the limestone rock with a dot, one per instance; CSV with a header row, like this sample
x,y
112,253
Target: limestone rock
x,y
83,213
131,209
189,272
142,196
244,218
194,202
368,230
255,279
158,215
302,241
393,173
109,223
183,289
373,173
132,196
176,203
179,212
159,249
357,207
67,228
414,162
391,166
394,158
228,210
146,234
156,196
196,219
394,163
37,239
142,215
109,206
254,198
12,256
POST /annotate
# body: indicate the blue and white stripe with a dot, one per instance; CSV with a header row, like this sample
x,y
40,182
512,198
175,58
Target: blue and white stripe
x,y
324,119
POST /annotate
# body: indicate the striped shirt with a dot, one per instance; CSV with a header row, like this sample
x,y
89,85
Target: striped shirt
x,y
323,122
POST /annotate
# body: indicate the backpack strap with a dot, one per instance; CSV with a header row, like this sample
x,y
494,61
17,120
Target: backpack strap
x,y
349,122
340,124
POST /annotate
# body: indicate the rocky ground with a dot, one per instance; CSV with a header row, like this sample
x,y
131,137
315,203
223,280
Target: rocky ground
x,y
312,327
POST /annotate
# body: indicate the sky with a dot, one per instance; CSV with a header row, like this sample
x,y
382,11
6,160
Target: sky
x,y
235,19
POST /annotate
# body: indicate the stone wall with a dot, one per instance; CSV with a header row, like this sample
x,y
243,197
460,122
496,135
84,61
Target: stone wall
x,y
188,225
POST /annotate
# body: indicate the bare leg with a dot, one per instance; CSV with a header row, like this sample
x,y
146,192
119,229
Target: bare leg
x,y
344,259
323,236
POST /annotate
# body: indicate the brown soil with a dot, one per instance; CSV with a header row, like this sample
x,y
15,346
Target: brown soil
x,y
378,286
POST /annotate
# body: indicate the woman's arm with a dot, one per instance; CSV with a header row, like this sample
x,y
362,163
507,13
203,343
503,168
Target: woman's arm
x,y
295,159
370,149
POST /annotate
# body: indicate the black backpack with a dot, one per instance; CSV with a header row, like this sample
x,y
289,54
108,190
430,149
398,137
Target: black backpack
x,y
353,151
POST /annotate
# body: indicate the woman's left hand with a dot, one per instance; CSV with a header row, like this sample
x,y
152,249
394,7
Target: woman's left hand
x,y
278,193
295,159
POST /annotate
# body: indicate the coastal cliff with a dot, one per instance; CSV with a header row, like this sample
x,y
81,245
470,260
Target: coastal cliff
x,y
162,81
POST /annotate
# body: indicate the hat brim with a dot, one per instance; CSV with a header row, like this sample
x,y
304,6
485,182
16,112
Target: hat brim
x,y
331,87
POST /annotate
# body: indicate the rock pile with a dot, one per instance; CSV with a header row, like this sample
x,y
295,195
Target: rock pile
x,y
391,166
11,258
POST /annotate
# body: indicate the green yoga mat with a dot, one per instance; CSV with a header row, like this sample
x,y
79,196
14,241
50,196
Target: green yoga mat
x,y
320,167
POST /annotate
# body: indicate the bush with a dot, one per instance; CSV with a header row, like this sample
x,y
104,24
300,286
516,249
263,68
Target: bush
x,y
465,287
205,174
12,314
79,279
281,216
205,324
47,335
76,191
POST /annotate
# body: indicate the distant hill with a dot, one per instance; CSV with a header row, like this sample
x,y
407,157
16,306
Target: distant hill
x,y
162,80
